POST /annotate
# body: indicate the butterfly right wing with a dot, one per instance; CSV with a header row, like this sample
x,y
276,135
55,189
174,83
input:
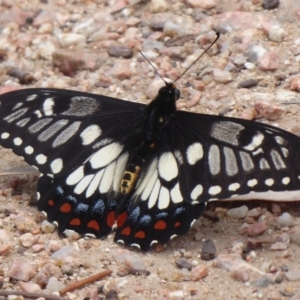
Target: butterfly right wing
x,y
202,158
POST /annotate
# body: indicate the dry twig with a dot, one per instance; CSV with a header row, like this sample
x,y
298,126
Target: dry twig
x,y
81,283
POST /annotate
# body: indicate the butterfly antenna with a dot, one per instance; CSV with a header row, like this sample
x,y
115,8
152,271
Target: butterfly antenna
x,y
153,67
218,35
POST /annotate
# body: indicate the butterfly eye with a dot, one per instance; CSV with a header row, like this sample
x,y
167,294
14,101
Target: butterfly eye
x,y
177,94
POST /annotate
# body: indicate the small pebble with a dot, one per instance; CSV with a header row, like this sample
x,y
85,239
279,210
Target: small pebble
x,y
268,110
240,275
285,220
47,227
208,251
278,246
255,212
293,275
54,285
183,263
249,83
238,212
199,272
277,34
270,4
222,76
262,282
256,229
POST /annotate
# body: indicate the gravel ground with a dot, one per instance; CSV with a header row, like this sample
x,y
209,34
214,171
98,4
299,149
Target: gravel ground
x,y
252,72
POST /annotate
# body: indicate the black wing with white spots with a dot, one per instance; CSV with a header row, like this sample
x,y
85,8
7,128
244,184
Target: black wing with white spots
x,y
145,170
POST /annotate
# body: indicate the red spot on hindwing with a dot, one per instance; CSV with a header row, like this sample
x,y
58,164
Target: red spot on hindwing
x,y
50,202
121,219
177,224
65,208
75,222
93,225
160,225
126,231
140,234
111,219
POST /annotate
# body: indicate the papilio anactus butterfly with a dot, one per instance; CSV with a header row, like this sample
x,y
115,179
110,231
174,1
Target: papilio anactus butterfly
x,y
145,170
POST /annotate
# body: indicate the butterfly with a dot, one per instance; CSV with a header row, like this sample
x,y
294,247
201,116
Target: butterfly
x,y
146,171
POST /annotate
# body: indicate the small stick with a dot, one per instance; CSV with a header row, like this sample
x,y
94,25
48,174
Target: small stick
x,y
81,283
30,295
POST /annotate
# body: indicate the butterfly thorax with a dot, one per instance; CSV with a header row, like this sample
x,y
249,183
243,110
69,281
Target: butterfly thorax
x,y
158,114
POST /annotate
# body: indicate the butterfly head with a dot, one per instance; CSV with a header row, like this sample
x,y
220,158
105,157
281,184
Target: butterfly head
x,y
169,91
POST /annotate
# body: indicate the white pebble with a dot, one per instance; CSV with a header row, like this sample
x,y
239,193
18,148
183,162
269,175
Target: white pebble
x,y
238,213
285,220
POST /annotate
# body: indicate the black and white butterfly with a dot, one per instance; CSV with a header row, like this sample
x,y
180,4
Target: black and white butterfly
x,y
145,170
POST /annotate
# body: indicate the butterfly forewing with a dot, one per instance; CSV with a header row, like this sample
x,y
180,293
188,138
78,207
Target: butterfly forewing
x,y
56,130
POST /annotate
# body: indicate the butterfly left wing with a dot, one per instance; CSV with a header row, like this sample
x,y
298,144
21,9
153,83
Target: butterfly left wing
x,y
80,142
202,158
56,130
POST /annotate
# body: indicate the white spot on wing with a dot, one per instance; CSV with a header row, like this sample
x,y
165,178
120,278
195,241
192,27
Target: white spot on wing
x,y
252,182
106,155
164,198
17,141
214,160
154,194
286,180
90,134
52,130
178,156
167,166
121,164
256,141
82,106
285,152
83,184
258,151
269,181
234,186
196,192
94,185
18,105
15,115
48,106
38,113
29,150
226,131
23,122
66,134
41,159
214,190
148,182
176,196
107,179
247,162
277,160
194,153
5,135
76,176
31,97
36,127
280,140
231,166
56,165
263,164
